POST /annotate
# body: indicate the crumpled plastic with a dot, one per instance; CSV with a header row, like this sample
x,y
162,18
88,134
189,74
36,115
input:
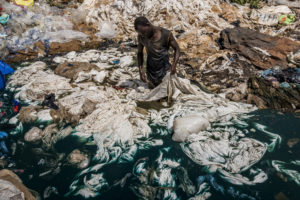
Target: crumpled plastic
x,y
24,2
286,19
289,169
4,18
269,15
39,22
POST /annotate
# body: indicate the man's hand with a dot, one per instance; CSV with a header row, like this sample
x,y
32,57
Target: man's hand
x,y
172,70
143,77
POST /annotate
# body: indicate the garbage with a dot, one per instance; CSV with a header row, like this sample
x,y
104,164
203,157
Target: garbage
x,y
109,117
270,15
78,159
291,4
28,114
12,187
49,101
262,50
286,19
107,30
284,95
4,18
253,3
72,70
3,148
49,191
206,150
24,2
295,58
34,135
33,30
187,125
4,70
289,169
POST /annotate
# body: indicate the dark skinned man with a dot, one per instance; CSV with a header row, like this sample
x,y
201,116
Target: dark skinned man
x,y
157,42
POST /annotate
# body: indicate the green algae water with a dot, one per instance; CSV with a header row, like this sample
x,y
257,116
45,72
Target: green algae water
x,y
123,179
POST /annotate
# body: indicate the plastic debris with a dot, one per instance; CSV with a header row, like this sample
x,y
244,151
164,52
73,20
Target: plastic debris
x,y
5,68
286,19
4,18
269,15
290,169
107,30
25,2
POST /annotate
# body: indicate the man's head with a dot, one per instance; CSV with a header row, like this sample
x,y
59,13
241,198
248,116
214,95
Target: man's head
x,y
143,26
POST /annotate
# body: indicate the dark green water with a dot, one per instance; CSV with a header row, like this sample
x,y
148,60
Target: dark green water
x,y
285,125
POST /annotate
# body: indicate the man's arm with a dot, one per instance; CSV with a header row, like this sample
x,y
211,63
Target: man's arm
x,y
140,57
176,48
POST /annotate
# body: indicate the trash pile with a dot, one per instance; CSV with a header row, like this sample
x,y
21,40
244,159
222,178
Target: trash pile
x,y
276,88
105,102
13,188
33,29
233,55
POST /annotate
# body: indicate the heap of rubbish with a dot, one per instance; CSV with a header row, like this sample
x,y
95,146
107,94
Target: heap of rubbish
x,y
68,70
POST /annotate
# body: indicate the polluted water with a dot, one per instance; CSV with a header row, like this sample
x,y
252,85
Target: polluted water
x,y
77,122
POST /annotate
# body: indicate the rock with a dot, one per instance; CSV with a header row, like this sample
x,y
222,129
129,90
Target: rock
x,y
78,159
187,125
28,114
12,187
262,50
71,70
253,99
34,135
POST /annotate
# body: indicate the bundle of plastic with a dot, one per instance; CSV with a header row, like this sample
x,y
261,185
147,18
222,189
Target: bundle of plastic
x,y
191,102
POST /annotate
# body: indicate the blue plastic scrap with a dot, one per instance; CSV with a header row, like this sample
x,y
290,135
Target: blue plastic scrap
x,y
285,85
116,62
4,70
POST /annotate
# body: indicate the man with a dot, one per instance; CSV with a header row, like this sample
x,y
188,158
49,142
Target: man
x,y
157,42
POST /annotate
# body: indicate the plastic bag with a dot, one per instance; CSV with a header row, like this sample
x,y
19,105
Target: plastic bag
x,y
4,18
286,19
25,2
5,68
107,30
65,36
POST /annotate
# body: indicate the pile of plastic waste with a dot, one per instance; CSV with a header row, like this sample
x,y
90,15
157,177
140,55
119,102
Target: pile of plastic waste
x,y
24,24
96,99
101,101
